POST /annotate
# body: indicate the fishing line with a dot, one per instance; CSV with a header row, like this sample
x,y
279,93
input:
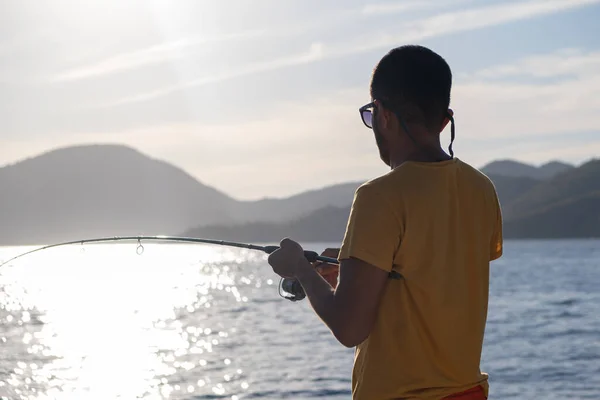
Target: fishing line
x,y
290,286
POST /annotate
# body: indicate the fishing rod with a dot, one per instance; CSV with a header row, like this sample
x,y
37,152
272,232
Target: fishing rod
x,y
288,285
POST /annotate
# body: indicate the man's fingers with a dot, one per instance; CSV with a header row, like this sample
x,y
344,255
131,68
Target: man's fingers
x,y
325,269
289,243
331,252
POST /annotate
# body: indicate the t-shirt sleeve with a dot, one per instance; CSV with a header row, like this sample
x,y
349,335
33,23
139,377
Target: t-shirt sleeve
x,y
373,232
496,244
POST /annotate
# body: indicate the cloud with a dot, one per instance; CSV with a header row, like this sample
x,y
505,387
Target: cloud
x,y
562,63
387,8
470,19
314,53
160,53
494,120
438,25
504,108
297,146
405,6
125,61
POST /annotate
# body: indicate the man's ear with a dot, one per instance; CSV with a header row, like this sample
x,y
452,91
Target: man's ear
x,y
385,115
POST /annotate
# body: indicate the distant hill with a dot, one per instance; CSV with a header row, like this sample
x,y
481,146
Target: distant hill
x,y
511,188
566,206
98,190
284,209
518,169
323,225
101,190
572,184
554,168
107,190
577,217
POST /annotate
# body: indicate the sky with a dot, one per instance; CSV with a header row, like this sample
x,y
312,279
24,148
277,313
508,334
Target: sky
x,y
260,97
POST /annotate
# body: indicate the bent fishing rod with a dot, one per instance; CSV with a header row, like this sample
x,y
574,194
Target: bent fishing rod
x,y
290,286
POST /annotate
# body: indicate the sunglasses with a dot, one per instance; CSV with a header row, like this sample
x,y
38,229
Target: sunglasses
x,y
366,114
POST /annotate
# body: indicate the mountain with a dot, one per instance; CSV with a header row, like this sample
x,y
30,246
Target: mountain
x,y
285,209
565,206
108,190
101,190
572,184
511,168
325,224
553,168
511,188
577,217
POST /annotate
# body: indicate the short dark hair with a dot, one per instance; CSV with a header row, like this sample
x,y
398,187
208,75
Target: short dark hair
x,y
415,82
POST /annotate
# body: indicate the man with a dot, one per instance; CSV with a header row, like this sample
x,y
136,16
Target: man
x,y
434,222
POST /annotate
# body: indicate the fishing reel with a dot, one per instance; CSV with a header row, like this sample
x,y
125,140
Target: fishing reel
x,y
293,289
290,288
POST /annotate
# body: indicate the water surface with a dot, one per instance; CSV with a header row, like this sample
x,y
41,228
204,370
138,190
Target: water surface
x,y
205,322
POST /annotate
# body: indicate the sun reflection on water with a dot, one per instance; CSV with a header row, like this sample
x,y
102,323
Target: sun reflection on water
x,y
108,323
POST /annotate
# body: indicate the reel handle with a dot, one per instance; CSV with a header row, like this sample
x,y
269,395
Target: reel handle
x,y
291,286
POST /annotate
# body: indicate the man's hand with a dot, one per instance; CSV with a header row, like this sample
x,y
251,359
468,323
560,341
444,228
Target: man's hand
x,y
328,271
288,259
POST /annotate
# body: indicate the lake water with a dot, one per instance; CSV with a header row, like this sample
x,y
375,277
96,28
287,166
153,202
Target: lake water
x,y
203,322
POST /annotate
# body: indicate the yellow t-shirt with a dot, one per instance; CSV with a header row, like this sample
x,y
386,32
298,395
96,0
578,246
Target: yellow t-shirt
x,y
439,225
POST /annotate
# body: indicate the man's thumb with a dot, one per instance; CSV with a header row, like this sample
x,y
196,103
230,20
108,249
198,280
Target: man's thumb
x,y
286,242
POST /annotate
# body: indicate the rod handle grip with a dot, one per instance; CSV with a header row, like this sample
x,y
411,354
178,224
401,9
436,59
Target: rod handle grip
x,y
310,255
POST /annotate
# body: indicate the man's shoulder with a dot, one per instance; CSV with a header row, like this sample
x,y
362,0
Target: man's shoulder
x,y
372,192
403,178
379,184
374,183
391,178
479,176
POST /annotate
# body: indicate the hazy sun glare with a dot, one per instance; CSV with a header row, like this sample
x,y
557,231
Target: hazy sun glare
x,y
109,321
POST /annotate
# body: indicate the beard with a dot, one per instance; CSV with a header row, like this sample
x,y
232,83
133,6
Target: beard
x,y
384,152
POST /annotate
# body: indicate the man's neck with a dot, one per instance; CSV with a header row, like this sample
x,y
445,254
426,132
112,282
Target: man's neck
x,y
426,154
427,148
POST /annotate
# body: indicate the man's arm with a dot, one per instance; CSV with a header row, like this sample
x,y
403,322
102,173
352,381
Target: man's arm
x,y
351,309
367,254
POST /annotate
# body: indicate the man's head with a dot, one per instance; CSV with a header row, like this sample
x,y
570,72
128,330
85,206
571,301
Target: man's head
x,y
410,87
